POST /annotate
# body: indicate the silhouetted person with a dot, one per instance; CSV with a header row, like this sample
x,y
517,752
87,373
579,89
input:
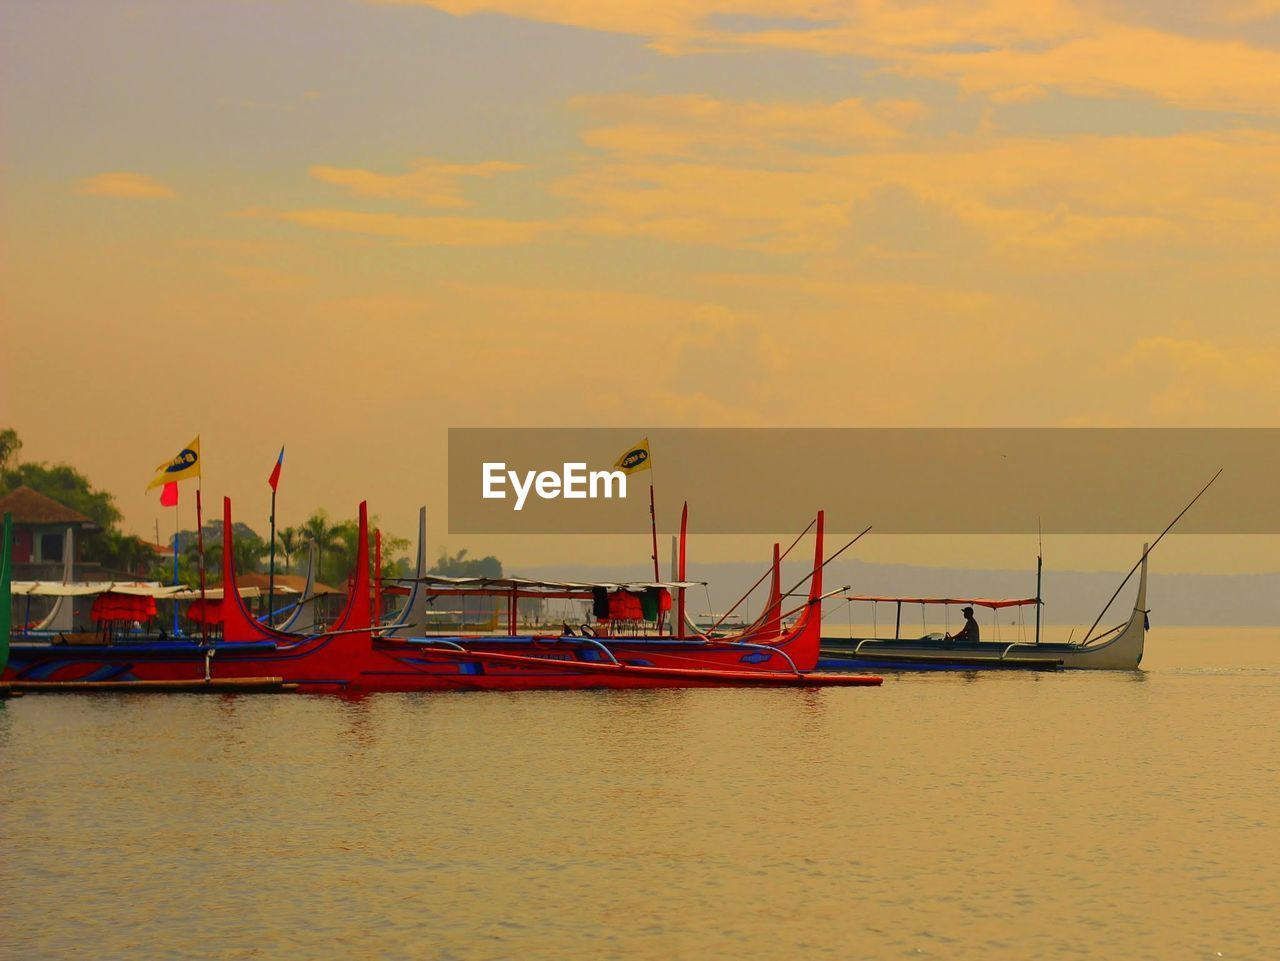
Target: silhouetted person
x,y
969,633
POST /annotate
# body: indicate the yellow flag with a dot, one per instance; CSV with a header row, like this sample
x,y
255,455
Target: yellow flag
x,y
635,459
186,464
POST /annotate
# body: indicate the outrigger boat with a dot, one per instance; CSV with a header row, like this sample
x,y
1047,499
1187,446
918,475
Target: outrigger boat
x,y
246,648
352,657
1119,649
404,661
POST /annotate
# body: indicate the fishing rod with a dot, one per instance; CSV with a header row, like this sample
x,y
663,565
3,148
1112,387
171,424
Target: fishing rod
x,y
762,576
1145,553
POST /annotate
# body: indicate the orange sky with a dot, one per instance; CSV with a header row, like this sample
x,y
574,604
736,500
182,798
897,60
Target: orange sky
x,y
346,227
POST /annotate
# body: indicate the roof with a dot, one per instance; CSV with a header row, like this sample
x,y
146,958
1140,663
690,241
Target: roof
x,y
173,592
94,588
31,507
285,583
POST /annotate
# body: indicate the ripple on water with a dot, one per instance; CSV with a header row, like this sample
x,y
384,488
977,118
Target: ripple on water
x,y
1005,816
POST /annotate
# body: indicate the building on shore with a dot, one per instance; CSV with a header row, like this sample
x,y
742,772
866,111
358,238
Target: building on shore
x,y
48,540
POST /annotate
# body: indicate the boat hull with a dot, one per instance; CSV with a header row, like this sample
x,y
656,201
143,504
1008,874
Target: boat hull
x,y
335,664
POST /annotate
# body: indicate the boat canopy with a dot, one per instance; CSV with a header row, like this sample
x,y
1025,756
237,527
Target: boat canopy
x,y
213,593
989,602
503,585
94,588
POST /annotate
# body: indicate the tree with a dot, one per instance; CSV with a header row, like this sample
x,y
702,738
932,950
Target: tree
x,y
289,542
69,487
10,444
459,565
247,552
393,566
318,531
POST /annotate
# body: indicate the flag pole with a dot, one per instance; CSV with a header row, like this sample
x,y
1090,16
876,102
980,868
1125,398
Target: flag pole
x,y
377,577
204,607
175,566
684,531
1039,574
653,527
271,576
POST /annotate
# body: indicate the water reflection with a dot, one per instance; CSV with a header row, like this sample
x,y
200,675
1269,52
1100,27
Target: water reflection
x,y
943,815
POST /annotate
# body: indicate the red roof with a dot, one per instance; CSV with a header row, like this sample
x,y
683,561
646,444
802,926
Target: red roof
x,y
31,507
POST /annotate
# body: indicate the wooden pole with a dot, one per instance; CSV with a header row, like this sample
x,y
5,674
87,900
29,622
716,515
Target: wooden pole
x,y
1039,569
760,580
377,577
204,612
175,567
271,576
680,570
1145,551
653,526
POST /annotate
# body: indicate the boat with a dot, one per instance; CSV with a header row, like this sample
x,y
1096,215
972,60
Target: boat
x,y
245,649
1119,649
352,657
407,661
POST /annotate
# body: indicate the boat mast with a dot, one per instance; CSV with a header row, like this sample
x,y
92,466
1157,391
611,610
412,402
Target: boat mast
x,y
1039,572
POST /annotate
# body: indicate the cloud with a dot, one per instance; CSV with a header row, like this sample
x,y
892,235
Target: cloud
x,y
429,182
780,180
432,231
1193,377
124,183
1114,60
694,124
1001,48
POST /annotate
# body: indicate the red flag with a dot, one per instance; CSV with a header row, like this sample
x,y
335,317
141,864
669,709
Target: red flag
x,y
274,479
169,495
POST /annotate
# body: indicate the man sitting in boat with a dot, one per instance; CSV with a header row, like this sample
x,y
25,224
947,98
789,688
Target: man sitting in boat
x,y
969,633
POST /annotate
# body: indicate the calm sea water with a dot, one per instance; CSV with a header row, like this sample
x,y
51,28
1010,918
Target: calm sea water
x,y
1019,816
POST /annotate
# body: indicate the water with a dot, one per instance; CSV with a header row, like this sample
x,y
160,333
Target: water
x,y
947,815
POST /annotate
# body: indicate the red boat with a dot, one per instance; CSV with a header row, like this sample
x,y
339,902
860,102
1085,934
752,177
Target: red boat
x,y
353,657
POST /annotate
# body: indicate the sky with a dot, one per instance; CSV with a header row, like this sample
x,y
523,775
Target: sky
x,y
348,226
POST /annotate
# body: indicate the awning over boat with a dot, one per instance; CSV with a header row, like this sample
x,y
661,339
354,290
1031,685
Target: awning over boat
x,y
988,602
93,588
212,593
504,584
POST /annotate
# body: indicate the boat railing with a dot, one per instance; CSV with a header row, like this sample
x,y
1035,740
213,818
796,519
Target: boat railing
x,y
442,642
592,640
433,642
1005,652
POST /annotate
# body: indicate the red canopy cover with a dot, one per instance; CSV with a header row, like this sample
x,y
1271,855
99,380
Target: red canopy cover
x,y
205,612
122,607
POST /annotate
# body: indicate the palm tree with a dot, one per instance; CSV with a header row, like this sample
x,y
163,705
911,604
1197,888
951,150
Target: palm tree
x,y
247,552
289,540
318,531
